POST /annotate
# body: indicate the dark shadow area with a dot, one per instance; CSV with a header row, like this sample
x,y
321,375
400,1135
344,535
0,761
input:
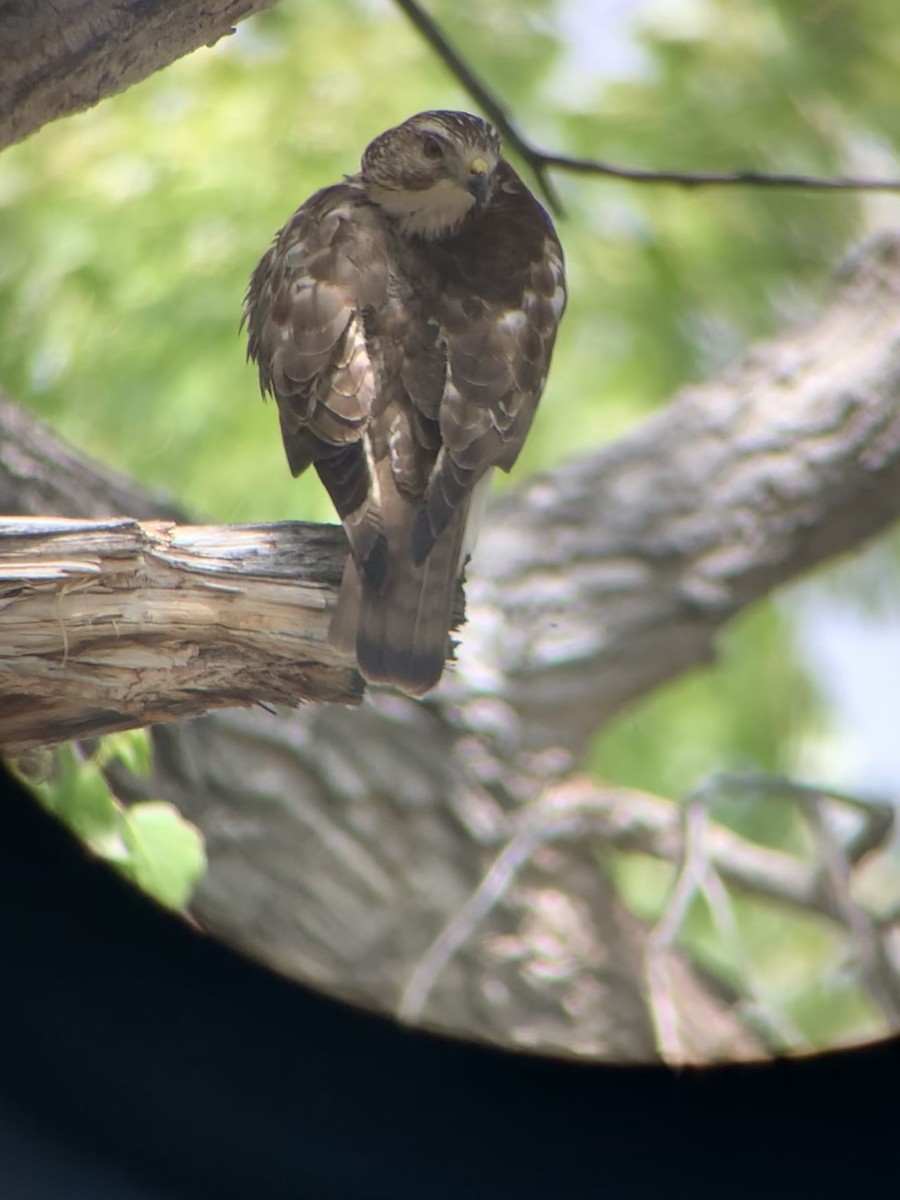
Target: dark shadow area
x,y
139,1060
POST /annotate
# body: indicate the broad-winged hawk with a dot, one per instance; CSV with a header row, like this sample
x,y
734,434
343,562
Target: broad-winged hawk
x,y
404,321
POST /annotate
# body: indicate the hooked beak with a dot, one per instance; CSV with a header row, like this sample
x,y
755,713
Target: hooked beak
x,y
479,181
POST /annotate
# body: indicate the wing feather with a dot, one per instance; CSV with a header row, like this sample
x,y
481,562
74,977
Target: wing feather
x,y
305,311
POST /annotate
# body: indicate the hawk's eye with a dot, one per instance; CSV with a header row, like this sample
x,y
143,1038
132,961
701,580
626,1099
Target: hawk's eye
x,y
432,149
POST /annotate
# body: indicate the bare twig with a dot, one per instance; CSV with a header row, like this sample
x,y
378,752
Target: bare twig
x,y
877,816
483,96
540,161
835,861
692,179
709,855
551,820
868,948
689,883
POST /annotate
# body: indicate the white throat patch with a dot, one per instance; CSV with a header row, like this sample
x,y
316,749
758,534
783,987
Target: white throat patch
x,y
430,213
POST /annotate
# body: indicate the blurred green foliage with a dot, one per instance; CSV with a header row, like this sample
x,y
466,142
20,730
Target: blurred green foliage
x,y
149,842
127,235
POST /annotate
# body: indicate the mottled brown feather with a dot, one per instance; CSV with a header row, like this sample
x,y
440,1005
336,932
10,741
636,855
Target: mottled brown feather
x,y
406,366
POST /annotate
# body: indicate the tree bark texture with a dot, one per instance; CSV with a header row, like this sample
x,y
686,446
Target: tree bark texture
x,y
114,624
61,58
790,457
354,848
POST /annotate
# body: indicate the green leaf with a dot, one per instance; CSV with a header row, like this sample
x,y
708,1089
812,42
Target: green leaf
x,y
150,842
80,797
131,748
166,852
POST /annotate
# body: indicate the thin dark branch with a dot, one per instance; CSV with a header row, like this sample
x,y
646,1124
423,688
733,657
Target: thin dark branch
x,y
690,179
482,96
540,161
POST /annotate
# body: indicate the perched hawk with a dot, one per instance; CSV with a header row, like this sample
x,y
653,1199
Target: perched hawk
x,y
404,321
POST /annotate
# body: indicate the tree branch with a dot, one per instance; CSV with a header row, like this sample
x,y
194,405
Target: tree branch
x,y
578,810
62,58
41,475
112,624
694,179
592,585
790,457
540,160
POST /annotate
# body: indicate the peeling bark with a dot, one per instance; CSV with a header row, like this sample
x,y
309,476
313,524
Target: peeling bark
x,y
113,624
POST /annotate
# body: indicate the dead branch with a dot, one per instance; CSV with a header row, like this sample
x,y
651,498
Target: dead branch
x,y
111,624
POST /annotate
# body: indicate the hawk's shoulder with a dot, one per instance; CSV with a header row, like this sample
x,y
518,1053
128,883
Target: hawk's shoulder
x,y
337,239
328,264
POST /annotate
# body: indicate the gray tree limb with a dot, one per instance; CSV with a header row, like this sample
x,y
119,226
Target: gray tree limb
x,y
40,475
790,457
64,57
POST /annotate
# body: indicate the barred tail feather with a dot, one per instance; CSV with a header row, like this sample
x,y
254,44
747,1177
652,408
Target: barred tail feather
x,y
401,633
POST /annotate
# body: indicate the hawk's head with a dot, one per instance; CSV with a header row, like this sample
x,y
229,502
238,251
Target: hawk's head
x,y
431,171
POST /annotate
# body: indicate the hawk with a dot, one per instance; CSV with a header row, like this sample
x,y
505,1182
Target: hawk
x,y
404,322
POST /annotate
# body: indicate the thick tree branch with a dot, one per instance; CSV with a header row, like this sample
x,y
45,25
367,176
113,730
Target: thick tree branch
x,y
41,475
593,584
111,624
788,458
63,57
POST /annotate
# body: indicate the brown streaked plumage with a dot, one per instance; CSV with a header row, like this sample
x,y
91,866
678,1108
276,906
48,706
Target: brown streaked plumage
x,y
404,322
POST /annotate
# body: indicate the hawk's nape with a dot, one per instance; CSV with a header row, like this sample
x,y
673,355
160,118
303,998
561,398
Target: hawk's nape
x,y
404,321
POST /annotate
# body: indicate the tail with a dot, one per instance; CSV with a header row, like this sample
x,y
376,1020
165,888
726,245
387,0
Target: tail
x,y
401,632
